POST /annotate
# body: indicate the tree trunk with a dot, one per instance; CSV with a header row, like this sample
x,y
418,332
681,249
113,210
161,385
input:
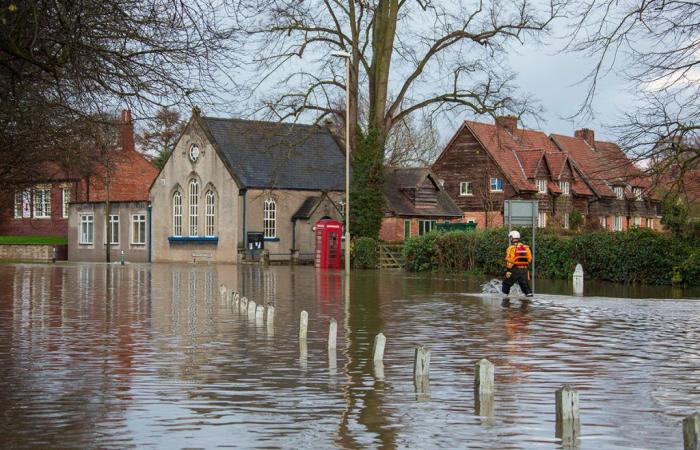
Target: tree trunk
x,y
108,237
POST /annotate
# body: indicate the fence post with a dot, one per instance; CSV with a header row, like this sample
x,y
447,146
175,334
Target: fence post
x,y
568,426
332,334
691,432
484,377
303,325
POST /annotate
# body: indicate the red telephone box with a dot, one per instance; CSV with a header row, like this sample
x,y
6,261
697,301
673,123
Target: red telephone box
x,y
328,241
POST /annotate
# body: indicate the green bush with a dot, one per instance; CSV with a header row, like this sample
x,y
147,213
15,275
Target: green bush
x,y
635,256
365,253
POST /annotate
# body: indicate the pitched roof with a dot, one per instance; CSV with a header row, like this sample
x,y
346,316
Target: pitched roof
x,y
530,160
588,160
502,147
397,181
556,162
132,176
273,155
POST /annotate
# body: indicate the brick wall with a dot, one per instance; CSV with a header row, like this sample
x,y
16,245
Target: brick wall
x,y
56,225
26,252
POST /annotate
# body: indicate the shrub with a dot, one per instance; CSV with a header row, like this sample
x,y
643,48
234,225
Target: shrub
x,y
689,271
575,220
418,252
365,253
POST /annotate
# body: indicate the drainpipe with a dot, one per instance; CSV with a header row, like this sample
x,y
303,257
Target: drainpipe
x,y
294,237
148,214
242,193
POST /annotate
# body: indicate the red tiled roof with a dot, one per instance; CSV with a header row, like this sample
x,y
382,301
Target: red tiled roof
x,y
588,161
132,176
502,148
530,161
580,188
554,187
555,162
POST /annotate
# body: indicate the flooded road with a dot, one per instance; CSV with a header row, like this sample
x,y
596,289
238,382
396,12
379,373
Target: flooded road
x,y
96,356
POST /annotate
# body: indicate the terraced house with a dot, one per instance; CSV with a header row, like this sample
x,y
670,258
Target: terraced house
x,y
485,164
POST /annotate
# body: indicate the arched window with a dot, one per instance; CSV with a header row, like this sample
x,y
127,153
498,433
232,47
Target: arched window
x,y
270,219
194,206
210,214
177,214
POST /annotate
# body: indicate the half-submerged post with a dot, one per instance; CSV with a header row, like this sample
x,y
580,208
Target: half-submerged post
x,y
378,355
259,314
222,292
578,280
568,427
270,314
251,309
303,325
421,372
691,432
332,335
484,387
243,305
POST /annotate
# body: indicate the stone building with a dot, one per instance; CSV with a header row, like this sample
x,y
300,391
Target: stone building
x,y
414,203
485,164
232,181
91,234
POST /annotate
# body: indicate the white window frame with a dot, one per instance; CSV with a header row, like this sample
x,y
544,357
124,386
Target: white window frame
x,y
638,193
496,181
619,192
42,202
617,222
541,186
603,222
270,219
637,221
19,204
177,213
565,187
566,220
541,219
210,213
138,228
650,222
466,189
109,229
87,221
193,207
65,200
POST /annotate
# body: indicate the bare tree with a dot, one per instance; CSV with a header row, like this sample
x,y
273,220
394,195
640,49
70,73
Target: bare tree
x,y
67,61
160,135
412,143
655,44
405,57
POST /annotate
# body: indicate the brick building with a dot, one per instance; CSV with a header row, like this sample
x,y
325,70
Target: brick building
x,y
485,164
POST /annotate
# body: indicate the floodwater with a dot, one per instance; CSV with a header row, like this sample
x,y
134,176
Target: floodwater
x,y
139,356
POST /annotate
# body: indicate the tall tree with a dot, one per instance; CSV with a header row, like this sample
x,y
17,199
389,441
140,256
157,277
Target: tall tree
x,y
160,135
655,46
67,61
405,57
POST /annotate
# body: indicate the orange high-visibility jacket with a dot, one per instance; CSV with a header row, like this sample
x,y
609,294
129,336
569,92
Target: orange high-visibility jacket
x,y
518,255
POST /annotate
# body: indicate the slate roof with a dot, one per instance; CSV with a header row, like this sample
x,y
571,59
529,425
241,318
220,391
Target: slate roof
x,y
398,180
273,155
307,208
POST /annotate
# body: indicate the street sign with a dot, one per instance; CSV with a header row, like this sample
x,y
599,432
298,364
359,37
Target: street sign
x,y
520,213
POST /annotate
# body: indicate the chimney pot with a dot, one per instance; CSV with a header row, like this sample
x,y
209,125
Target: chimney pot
x,y
587,135
510,123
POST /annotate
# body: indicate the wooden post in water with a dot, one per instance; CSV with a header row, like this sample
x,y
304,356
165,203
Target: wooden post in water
x,y
251,309
578,280
303,325
421,373
332,335
270,314
691,432
234,298
378,348
259,314
568,426
484,377
243,305
222,292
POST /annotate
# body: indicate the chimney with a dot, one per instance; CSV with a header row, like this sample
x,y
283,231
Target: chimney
x,y
587,135
127,132
510,123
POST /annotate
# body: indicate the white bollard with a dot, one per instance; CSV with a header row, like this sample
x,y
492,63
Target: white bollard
x,y
332,334
259,314
484,377
303,325
222,292
251,309
578,280
243,305
691,432
270,314
378,348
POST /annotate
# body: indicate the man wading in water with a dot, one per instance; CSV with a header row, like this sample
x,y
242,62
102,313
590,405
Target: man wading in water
x,y
518,258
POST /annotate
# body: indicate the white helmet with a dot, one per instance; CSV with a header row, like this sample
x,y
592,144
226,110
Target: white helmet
x,y
514,235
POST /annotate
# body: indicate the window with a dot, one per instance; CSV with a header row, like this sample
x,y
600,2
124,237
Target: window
x,y
496,185
619,192
604,222
42,203
406,229
426,226
650,223
194,206
65,201
637,221
617,224
112,230
541,219
177,214
86,229
210,214
565,187
638,194
566,220
23,204
270,219
138,229
465,188
541,186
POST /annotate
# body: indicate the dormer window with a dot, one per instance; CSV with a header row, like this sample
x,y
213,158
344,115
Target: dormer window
x,y
565,187
541,186
638,193
619,192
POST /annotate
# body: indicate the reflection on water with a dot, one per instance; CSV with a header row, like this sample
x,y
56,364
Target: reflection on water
x,y
97,356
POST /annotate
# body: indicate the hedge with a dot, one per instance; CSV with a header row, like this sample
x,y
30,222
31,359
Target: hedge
x,y
365,253
636,256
